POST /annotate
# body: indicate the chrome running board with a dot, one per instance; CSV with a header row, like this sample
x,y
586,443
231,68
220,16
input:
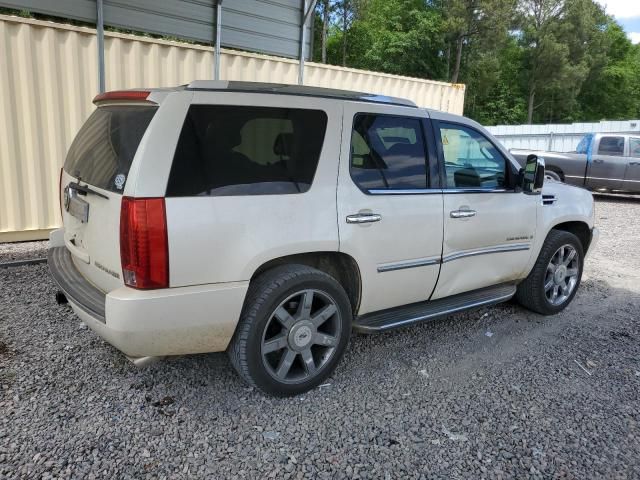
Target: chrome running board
x,y
425,311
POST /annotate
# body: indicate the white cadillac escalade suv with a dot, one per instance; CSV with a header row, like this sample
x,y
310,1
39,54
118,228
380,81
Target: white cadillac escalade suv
x,y
269,221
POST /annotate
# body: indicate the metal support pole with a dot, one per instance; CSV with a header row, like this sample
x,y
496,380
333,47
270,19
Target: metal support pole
x,y
216,73
306,11
100,29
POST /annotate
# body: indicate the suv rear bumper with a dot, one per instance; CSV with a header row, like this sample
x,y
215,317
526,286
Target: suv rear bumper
x,y
140,323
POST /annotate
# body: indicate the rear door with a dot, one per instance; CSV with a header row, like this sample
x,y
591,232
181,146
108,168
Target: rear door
x,y
389,213
94,178
608,165
632,175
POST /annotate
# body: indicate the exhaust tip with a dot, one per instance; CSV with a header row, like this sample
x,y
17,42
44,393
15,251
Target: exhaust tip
x,y
142,362
61,298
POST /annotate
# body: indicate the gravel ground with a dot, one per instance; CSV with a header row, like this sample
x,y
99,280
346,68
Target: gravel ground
x,y
10,252
494,393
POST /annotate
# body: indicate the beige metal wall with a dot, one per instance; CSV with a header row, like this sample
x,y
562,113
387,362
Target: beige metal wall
x,y
48,77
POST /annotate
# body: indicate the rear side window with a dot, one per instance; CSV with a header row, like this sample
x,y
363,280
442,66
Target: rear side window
x,y
235,150
611,146
102,152
388,153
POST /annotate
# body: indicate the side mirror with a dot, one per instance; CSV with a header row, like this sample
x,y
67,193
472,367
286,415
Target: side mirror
x,y
533,174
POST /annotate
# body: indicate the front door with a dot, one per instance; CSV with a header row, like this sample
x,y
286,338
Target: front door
x,y
488,226
608,164
389,217
632,175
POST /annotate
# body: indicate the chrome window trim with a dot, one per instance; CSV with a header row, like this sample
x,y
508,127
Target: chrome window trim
x,y
404,191
422,262
514,247
432,191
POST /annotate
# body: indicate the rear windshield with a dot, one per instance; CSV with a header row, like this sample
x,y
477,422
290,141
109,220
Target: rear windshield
x,y
103,150
239,150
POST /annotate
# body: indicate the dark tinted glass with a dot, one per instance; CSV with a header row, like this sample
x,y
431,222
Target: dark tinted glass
x,y
470,159
611,146
232,150
102,152
388,153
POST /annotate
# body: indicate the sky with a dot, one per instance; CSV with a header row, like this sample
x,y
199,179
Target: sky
x,y
627,13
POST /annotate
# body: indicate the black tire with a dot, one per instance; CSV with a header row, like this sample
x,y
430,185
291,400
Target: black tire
x,y
266,295
556,175
531,293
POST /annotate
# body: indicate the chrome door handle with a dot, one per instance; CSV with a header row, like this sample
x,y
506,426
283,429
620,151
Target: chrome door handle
x,y
634,163
364,218
463,213
598,160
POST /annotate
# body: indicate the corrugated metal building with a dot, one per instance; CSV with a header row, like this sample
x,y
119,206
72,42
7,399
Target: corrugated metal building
x,y
48,77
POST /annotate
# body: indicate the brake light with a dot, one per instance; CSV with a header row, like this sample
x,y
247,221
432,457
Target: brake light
x,y
144,249
119,95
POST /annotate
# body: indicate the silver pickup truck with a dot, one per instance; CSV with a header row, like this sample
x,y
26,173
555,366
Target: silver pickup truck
x,y
602,161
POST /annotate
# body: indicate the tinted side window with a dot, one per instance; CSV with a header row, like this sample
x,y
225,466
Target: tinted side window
x,y
470,159
611,146
634,147
388,153
237,150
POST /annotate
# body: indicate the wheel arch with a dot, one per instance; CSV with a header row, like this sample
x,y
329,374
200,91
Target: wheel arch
x,y
579,229
557,170
342,267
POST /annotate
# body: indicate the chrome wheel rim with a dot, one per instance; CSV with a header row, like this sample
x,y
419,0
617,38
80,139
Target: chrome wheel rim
x,y
301,336
562,275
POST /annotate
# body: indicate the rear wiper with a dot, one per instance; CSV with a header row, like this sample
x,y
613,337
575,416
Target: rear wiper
x,y
84,189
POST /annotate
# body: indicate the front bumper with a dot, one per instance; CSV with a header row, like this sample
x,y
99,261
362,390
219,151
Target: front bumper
x,y
141,323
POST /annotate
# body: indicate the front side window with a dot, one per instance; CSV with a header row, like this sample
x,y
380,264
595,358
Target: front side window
x,y
388,153
470,159
634,147
611,146
238,150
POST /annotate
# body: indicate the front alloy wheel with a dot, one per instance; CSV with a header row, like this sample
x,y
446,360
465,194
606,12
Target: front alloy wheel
x,y
562,275
555,277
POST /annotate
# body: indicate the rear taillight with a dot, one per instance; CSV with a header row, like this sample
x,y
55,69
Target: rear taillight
x,y
144,250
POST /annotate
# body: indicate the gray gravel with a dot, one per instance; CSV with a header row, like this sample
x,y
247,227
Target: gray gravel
x,y
10,252
493,393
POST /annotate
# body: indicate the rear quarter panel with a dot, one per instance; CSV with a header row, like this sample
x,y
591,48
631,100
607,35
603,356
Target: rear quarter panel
x,y
227,238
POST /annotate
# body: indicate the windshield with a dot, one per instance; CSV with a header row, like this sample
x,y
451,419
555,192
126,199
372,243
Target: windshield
x,y
103,150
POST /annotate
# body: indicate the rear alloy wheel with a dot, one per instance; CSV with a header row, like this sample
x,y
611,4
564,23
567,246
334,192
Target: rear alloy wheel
x,y
293,331
556,275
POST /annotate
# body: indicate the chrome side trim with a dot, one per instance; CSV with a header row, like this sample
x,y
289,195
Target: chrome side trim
x,y
422,262
514,247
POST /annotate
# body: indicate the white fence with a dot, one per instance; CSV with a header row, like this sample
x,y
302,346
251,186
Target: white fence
x,y
48,77
556,137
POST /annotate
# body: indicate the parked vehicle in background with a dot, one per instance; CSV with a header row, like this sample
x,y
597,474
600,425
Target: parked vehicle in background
x,y
271,220
602,161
